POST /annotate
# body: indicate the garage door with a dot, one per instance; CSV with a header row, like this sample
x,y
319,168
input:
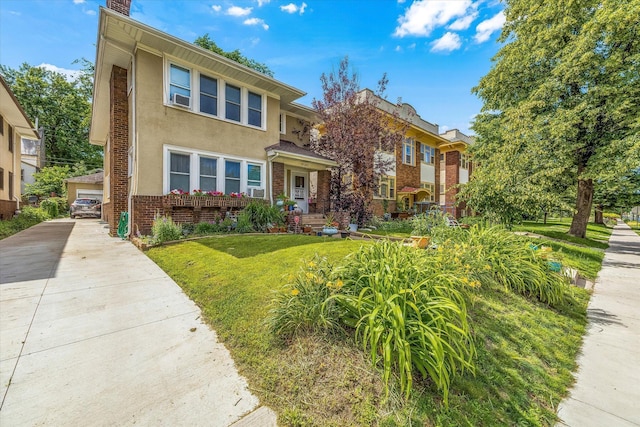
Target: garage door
x,y
89,194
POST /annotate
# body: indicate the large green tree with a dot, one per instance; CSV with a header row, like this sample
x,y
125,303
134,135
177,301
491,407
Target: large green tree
x,y
205,42
62,106
561,101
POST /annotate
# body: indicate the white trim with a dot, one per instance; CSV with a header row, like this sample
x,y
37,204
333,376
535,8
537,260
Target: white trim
x,y
194,168
194,88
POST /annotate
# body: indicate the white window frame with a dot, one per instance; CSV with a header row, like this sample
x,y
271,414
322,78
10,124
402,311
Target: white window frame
x,y
409,142
194,88
283,124
194,168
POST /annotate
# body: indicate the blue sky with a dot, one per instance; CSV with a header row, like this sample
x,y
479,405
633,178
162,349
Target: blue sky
x,y
433,52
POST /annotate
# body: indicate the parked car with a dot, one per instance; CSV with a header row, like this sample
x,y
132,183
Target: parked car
x,y
86,207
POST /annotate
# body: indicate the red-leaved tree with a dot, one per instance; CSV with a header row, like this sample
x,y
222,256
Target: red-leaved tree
x,y
360,134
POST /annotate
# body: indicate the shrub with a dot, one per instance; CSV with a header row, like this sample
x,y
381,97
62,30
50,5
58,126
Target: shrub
x,y
51,207
262,216
393,225
244,224
203,228
165,230
28,217
611,215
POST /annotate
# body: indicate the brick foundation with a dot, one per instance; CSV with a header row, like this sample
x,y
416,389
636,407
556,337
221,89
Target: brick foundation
x,y
7,209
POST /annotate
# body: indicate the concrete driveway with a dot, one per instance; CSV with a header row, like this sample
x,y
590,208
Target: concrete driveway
x,y
92,332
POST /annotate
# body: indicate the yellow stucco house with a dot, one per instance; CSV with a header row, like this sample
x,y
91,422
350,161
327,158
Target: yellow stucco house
x,y
173,117
14,124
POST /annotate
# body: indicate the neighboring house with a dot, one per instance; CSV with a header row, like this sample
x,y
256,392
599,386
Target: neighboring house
x,y
32,160
14,124
173,116
85,186
428,166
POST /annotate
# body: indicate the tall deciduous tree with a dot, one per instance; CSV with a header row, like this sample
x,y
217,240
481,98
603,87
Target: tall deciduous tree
x,y
63,108
205,42
358,135
563,96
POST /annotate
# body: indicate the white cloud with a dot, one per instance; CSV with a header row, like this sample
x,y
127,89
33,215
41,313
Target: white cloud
x,y
398,49
216,7
256,21
423,16
90,12
463,23
69,74
488,27
450,41
239,11
263,2
292,8
78,1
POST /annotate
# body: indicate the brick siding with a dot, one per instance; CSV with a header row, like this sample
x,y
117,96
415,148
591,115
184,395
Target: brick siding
x,y
452,178
118,150
121,6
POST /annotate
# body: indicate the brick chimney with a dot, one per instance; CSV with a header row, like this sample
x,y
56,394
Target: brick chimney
x,y
121,6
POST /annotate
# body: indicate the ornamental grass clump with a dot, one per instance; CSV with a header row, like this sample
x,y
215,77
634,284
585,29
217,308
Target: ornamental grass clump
x,y
494,255
301,306
407,313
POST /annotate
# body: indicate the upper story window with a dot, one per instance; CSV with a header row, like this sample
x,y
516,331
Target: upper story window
x,y
233,104
208,95
464,161
212,95
10,138
179,82
408,152
255,109
283,124
427,154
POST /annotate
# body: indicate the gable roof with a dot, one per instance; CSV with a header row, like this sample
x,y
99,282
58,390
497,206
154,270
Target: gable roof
x,y
120,36
94,178
13,112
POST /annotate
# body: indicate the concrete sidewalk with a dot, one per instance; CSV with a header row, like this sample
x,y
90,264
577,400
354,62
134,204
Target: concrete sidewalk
x,y
92,332
607,388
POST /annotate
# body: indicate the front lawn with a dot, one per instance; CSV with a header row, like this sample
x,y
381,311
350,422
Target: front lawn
x,y
525,350
597,234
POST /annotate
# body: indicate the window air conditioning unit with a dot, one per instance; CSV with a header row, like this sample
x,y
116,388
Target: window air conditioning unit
x,y
256,192
181,100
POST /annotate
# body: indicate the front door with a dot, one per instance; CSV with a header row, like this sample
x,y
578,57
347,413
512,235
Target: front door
x,y
300,190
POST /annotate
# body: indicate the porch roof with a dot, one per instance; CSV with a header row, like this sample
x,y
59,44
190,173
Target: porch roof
x,y
292,154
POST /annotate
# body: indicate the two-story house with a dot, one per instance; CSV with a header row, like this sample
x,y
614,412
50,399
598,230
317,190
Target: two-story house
x,y
14,124
172,116
427,165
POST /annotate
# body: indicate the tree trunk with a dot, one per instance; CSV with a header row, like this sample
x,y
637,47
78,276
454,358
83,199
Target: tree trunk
x,y
599,218
545,218
583,208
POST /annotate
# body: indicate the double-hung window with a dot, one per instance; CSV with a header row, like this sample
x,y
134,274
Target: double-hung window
x,y
255,109
427,154
464,161
233,102
179,172
232,176
408,152
179,81
208,95
208,173
254,175
387,187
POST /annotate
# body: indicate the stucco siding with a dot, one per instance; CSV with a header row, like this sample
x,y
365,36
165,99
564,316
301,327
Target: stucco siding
x,y
158,125
427,173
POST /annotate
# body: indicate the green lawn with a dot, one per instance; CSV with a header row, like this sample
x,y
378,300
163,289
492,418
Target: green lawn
x,y
526,350
597,234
